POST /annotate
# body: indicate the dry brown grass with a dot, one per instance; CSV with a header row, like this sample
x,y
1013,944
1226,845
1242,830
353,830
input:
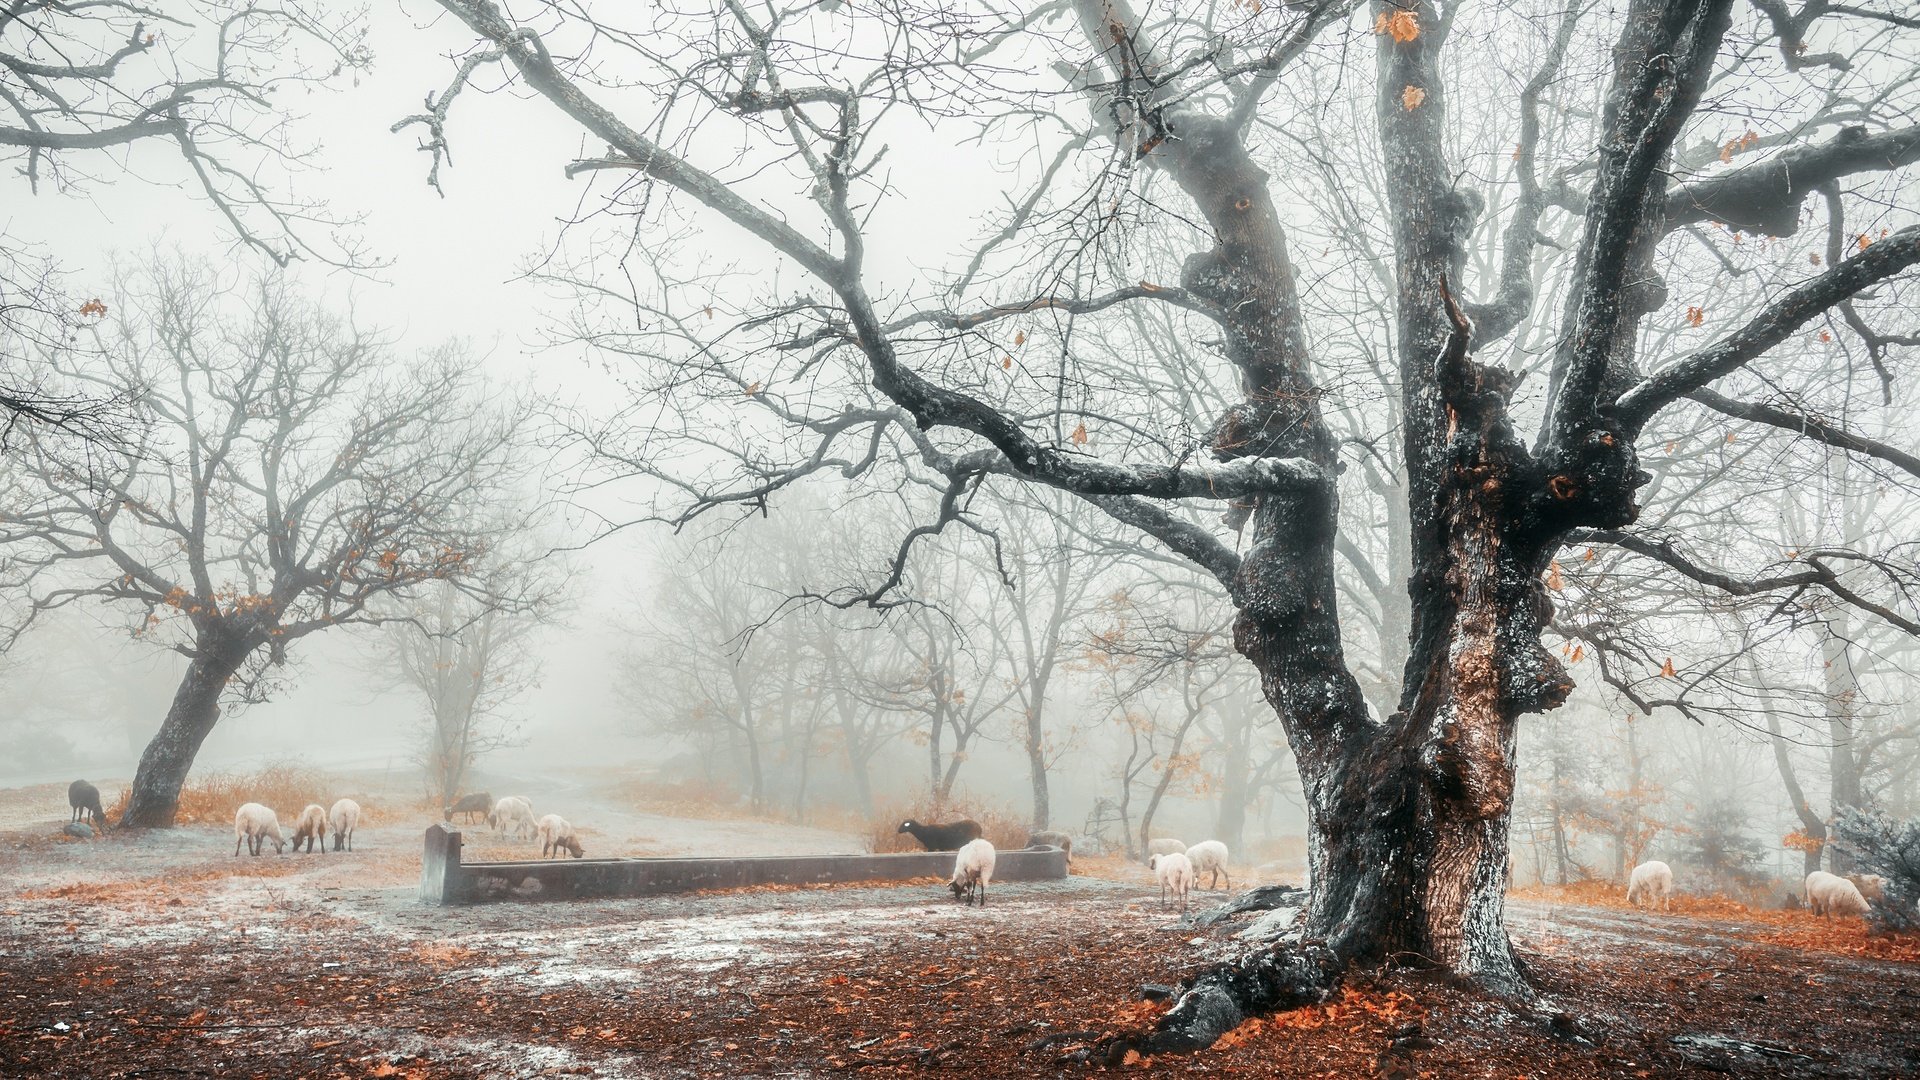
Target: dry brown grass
x,y
211,798
1113,868
999,825
1792,929
1291,848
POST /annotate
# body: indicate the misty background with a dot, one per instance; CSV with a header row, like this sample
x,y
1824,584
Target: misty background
x,y
679,656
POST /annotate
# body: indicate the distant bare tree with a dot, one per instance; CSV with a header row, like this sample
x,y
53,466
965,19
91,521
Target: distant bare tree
x,y
1481,130
81,85
469,655
294,475
1050,588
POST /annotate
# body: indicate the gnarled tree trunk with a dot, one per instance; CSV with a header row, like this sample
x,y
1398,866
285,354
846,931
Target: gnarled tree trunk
x,y
169,756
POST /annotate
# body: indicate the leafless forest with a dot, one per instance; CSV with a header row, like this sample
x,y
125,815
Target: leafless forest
x,y
1419,500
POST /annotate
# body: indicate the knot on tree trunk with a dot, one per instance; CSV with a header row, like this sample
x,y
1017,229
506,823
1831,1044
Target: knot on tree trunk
x,y
1249,429
1537,680
1591,484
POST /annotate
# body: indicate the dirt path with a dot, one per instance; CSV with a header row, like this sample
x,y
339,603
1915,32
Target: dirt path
x,y
162,954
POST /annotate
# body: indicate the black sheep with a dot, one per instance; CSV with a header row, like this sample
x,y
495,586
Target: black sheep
x,y
479,803
949,837
84,797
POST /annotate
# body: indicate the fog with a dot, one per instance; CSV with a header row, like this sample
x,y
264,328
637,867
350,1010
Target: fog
x,y
772,539
583,299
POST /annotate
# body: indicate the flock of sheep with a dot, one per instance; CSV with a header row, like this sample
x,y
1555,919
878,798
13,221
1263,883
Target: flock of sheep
x,y
255,825
1651,884
514,814
1175,866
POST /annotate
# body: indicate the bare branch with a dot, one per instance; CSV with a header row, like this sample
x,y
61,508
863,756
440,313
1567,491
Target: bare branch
x,y
1880,261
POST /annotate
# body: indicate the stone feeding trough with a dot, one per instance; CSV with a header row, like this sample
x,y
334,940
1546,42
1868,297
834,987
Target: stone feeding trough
x,y
446,881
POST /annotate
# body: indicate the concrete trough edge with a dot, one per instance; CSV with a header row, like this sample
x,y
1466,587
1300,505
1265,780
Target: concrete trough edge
x,y
445,880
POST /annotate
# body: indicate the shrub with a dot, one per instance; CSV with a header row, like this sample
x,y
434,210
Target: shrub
x,y
1891,849
1002,828
212,798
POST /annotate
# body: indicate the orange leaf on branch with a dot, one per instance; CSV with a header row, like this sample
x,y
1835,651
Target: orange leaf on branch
x,y
1402,26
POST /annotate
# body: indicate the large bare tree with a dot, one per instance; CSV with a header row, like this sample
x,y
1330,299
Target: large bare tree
x,y
295,473
1155,163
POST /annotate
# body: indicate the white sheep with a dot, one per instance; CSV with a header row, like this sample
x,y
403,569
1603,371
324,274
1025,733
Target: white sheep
x,y
1830,895
972,871
344,817
1165,846
311,828
557,835
256,825
1175,873
1873,887
512,811
1209,856
1651,882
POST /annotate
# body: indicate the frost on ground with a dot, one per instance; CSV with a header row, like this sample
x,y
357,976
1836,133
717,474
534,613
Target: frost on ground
x,y
164,952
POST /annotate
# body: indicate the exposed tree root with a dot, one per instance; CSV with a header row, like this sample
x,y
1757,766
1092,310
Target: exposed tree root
x,y
1218,1000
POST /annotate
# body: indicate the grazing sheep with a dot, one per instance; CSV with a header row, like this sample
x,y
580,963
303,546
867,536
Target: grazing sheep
x,y
256,824
1052,838
1830,895
84,798
556,835
311,827
515,812
478,804
1653,883
1873,887
949,837
344,817
1209,856
1175,872
972,871
1165,846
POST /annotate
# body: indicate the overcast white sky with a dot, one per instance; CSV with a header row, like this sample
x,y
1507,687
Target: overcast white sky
x,y
450,269
452,262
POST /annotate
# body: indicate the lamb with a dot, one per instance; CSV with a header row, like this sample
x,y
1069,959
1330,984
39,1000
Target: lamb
x,y
344,817
256,824
1175,872
1053,839
972,871
556,835
1165,846
311,827
1209,856
85,798
1830,895
1653,882
478,804
512,811
949,837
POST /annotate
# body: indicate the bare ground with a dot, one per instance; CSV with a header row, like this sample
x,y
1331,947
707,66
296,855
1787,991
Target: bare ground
x,y
163,955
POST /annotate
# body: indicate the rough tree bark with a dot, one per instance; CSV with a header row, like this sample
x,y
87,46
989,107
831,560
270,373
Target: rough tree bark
x,y
191,718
